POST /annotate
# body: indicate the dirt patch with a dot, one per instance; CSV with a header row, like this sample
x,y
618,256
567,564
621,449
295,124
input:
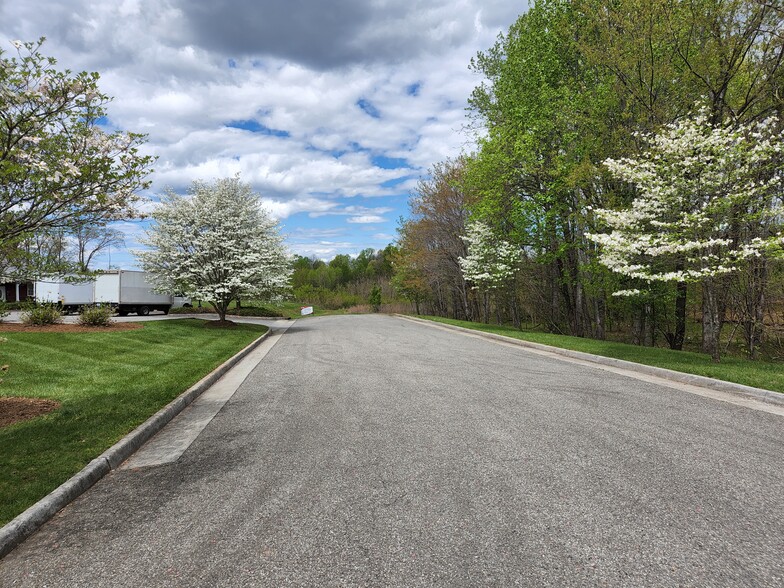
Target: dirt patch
x,y
220,324
66,328
14,410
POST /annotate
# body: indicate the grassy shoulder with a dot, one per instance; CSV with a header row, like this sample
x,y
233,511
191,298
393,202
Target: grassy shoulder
x,y
760,374
107,382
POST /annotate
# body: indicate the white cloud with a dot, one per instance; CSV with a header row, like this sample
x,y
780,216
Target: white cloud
x,y
281,209
314,150
366,219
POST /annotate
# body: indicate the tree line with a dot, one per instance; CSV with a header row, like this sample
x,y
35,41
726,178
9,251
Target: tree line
x,y
344,281
629,155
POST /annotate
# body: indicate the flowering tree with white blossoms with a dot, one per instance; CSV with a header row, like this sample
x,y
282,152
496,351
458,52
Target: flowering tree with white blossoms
x,y
491,263
57,167
216,244
708,200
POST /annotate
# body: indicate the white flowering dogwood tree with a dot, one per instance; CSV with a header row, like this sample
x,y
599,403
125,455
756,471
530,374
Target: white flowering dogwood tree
x,y
708,200
490,263
57,166
216,244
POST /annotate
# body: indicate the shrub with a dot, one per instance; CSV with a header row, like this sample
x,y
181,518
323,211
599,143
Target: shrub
x,y
96,316
44,314
375,298
326,298
4,310
254,311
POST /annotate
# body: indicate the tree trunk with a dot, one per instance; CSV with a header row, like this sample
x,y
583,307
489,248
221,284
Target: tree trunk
x,y
518,323
600,309
465,301
638,327
555,300
711,319
579,320
649,323
220,308
754,313
681,291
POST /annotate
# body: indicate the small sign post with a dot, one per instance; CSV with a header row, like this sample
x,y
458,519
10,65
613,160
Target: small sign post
x,y
305,310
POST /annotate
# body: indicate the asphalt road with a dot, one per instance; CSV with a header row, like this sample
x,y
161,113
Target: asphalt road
x,y
373,451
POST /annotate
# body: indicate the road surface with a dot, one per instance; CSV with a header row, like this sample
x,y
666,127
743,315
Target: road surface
x,y
374,451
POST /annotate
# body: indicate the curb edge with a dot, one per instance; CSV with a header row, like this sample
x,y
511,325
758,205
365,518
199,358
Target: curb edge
x,y
748,392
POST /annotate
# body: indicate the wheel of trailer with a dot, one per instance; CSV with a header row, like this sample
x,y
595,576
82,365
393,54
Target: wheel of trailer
x,y
143,311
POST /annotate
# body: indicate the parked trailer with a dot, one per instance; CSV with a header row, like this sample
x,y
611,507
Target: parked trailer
x,y
129,292
70,296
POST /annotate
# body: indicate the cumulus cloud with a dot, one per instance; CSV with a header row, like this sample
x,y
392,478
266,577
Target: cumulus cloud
x,y
325,35
281,209
324,107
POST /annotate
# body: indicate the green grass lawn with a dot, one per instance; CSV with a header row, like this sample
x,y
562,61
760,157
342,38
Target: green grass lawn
x,y
107,383
761,374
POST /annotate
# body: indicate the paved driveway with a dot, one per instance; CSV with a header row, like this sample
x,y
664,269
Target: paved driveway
x,y
373,451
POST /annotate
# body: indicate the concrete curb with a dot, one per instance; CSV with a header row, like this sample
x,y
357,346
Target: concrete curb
x,y
749,392
25,524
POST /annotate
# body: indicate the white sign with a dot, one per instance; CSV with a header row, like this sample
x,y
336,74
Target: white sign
x,y
306,310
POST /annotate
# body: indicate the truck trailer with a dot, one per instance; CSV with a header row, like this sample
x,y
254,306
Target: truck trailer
x,y
129,292
71,296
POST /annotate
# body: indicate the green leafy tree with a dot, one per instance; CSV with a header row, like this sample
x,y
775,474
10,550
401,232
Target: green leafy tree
x,y
430,239
571,84
409,278
375,298
709,200
57,166
544,113
491,263
217,244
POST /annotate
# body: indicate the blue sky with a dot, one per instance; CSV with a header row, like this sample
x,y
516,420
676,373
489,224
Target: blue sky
x,y
332,111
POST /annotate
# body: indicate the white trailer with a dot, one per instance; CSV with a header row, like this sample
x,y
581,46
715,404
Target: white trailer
x,y
69,295
129,292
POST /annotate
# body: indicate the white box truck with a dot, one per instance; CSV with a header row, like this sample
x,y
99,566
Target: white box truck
x,y
69,295
129,292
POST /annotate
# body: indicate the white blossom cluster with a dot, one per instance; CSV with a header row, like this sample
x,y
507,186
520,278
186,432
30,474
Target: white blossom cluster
x,y
708,197
215,245
491,262
56,164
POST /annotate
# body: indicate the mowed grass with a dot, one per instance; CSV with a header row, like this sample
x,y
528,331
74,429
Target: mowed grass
x,y
107,382
760,374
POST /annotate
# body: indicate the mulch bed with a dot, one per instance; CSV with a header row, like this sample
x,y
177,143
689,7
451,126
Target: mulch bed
x,y
66,328
14,410
220,324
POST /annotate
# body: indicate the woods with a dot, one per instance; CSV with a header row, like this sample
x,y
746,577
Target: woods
x,y
578,104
